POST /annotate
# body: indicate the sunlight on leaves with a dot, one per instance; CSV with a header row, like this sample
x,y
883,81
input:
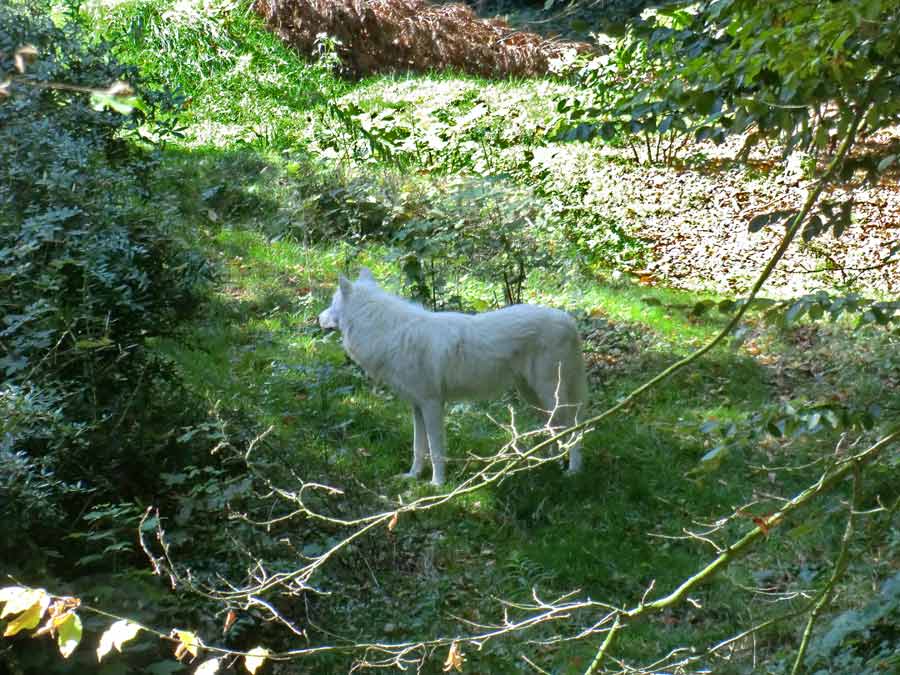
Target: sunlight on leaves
x,y
29,603
188,643
19,598
209,667
255,658
25,621
115,636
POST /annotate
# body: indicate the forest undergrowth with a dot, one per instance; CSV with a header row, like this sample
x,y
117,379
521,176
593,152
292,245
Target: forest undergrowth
x,y
452,191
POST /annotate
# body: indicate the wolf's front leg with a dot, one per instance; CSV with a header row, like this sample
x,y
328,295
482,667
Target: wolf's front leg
x,y
433,416
420,443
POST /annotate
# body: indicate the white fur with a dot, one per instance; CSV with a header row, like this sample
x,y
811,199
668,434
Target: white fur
x,y
429,358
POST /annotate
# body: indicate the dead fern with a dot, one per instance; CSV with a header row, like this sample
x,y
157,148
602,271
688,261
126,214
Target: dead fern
x,y
377,36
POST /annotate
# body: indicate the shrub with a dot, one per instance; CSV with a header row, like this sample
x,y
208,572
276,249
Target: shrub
x,y
90,269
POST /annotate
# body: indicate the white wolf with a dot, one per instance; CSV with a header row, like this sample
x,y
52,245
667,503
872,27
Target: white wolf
x,y
429,358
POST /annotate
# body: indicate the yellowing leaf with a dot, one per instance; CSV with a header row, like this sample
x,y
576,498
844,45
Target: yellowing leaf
x,y
209,667
25,621
454,658
393,523
255,658
69,633
115,636
187,643
19,598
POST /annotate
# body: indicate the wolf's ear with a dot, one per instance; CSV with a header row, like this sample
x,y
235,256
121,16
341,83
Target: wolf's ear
x,y
346,286
365,274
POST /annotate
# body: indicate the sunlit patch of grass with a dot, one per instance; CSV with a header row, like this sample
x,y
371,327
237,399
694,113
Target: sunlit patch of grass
x,y
242,85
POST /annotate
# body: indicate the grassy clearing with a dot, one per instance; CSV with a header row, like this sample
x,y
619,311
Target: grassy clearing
x,y
259,351
262,195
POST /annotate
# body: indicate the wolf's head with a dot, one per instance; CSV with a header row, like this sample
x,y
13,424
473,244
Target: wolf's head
x,y
331,317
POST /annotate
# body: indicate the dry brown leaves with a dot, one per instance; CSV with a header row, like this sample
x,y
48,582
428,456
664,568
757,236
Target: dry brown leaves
x,y
411,35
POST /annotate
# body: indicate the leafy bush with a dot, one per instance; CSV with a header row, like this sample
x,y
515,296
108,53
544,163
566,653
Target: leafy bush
x,y
443,234
217,57
622,99
90,269
466,134
864,641
478,228
790,70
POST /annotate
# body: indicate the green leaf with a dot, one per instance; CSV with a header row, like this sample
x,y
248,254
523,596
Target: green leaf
x,y
98,343
29,618
795,312
886,162
68,633
711,460
124,105
764,219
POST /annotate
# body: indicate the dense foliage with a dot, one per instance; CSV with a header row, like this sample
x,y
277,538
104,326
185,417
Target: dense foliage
x,y
791,70
91,268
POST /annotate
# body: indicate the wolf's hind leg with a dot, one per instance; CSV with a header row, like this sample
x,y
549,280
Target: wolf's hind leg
x,y
420,443
561,401
433,415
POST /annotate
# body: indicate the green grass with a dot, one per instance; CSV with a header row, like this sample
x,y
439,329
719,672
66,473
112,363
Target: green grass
x,y
283,222
241,85
259,350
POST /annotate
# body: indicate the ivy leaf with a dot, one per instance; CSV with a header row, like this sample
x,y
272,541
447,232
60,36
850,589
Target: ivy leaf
x,y
255,658
68,636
